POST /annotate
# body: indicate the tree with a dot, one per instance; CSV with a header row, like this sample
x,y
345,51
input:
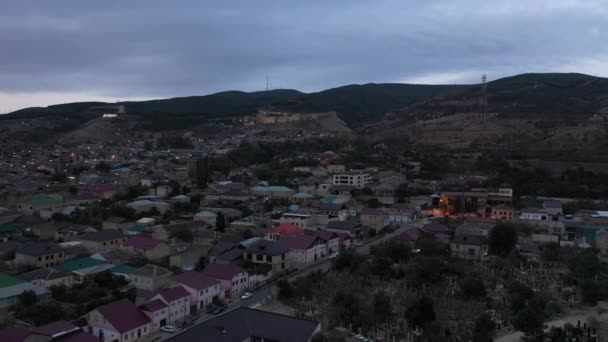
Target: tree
x,y
27,298
421,312
184,234
202,262
220,222
473,288
167,217
382,306
286,291
373,203
529,320
484,329
202,172
502,239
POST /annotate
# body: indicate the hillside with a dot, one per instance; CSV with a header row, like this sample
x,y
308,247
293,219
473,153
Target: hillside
x,y
561,96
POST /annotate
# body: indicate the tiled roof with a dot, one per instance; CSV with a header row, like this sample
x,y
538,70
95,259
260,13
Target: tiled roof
x,y
40,248
174,293
77,264
150,270
300,242
103,235
153,305
371,211
326,235
195,280
286,229
411,234
142,242
265,247
123,315
44,273
221,271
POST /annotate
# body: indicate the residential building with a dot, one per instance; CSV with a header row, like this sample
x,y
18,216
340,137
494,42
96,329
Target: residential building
x,y
270,253
353,228
246,324
469,246
331,240
151,277
11,288
119,321
178,303
503,212
158,313
84,268
203,290
103,240
148,247
373,218
40,254
232,278
356,179
284,229
305,249
47,277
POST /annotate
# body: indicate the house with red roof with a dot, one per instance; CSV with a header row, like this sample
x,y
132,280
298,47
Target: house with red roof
x,y
157,311
178,302
203,290
150,248
373,218
232,278
305,249
119,321
284,229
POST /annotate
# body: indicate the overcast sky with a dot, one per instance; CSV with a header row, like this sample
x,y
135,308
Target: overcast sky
x,y
56,51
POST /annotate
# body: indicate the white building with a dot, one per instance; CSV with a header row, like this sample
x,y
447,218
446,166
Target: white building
x,y
356,179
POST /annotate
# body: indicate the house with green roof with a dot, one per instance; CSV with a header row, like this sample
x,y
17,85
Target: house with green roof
x,y
33,204
10,232
84,268
11,288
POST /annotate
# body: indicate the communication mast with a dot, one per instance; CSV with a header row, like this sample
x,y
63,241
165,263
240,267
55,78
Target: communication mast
x,y
483,101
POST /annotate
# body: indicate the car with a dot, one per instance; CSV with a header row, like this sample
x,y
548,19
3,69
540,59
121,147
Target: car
x,y
217,309
168,328
334,255
246,295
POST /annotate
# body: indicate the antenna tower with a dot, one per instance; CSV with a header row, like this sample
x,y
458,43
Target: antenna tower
x,y
483,101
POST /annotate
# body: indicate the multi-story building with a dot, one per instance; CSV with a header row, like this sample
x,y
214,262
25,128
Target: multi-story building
x,y
233,279
178,303
305,249
356,179
119,321
373,218
203,290
503,212
150,277
270,253
45,254
103,240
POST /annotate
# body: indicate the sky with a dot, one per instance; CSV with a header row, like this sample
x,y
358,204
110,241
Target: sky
x,y
59,51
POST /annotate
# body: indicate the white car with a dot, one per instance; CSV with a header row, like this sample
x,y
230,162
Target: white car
x,y
168,328
333,255
246,295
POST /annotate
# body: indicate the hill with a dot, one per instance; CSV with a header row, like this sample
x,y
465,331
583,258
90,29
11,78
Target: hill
x,y
529,95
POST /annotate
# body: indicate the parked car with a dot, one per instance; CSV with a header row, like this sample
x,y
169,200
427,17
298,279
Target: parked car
x,y
168,328
216,309
246,295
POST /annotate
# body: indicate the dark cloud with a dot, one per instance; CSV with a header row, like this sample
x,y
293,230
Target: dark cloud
x,y
150,48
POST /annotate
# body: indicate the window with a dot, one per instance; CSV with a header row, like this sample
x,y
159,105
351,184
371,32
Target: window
x,y
259,257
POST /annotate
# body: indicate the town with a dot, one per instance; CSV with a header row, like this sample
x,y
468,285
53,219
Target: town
x,y
181,238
